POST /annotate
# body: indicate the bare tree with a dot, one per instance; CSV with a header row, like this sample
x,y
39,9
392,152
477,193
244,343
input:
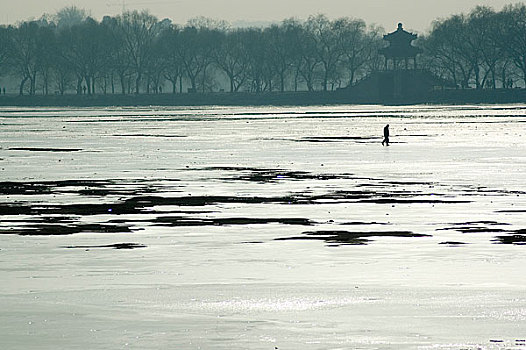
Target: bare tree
x,y
354,44
173,66
47,54
138,30
70,16
281,54
119,65
482,22
86,47
24,54
323,33
375,42
512,27
231,56
305,61
4,48
196,47
452,46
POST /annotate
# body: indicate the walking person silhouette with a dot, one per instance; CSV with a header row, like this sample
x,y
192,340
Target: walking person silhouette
x,y
386,136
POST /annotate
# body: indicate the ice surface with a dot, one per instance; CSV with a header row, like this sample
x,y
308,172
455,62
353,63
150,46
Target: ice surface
x,y
263,228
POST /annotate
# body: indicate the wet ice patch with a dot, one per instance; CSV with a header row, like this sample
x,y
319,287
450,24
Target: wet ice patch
x,y
45,149
337,238
112,246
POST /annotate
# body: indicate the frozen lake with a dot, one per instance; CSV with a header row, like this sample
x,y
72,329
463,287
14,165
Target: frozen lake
x,y
263,228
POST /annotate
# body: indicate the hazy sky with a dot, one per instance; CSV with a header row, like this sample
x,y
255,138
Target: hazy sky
x,y
416,15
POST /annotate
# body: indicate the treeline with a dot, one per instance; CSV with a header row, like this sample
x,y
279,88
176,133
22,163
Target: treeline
x,y
483,49
137,53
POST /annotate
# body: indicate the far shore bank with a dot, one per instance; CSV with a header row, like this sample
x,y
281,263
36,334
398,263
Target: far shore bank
x,y
344,96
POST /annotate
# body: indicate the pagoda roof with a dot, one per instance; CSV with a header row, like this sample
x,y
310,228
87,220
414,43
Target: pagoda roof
x,y
400,35
400,44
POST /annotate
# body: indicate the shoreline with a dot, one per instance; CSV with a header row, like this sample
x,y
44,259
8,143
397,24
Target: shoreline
x,y
339,97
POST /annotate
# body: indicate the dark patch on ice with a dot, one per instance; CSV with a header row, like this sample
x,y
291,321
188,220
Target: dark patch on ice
x,y
149,135
35,211
86,187
135,196
511,211
482,222
408,183
265,175
352,223
517,237
134,205
113,246
452,243
59,230
44,220
43,149
511,239
355,139
21,188
186,221
483,191
175,221
335,237
475,227
508,236
413,201
358,139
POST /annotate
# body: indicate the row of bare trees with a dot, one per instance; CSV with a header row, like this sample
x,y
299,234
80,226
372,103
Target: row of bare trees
x,y
481,49
136,53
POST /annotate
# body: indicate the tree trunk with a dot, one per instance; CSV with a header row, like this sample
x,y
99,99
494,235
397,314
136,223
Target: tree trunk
x,y
193,83
79,86
493,82
22,83
477,78
181,84
137,83
352,75
123,83
33,81
231,77
296,82
203,82
88,84
309,85
46,85
325,79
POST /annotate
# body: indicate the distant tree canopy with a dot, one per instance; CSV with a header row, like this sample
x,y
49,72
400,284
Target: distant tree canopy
x,y
135,52
483,49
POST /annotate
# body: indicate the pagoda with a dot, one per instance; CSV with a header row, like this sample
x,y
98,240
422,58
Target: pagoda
x,y
400,81
400,49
